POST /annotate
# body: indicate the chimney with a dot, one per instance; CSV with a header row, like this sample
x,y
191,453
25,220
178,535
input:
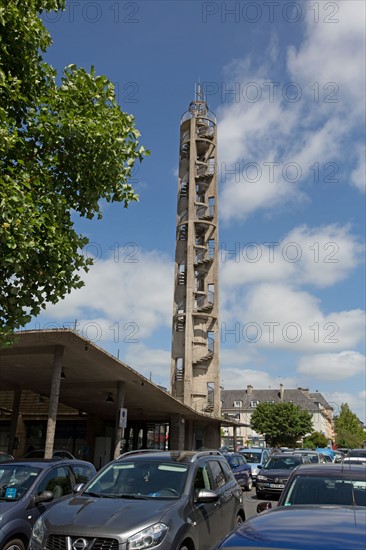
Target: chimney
x,y
282,391
249,389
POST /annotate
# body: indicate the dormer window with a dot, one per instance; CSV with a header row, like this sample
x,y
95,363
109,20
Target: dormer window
x,y
238,404
253,404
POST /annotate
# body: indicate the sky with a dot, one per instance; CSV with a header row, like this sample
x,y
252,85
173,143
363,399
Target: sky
x,y
286,81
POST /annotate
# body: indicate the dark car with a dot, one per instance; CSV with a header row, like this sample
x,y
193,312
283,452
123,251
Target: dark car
x,y
301,528
324,485
181,500
4,457
39,453
273,476
28,488
241,469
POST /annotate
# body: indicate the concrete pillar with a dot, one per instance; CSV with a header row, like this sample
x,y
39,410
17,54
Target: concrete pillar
x,y
14,419
119,432
54,397
177,432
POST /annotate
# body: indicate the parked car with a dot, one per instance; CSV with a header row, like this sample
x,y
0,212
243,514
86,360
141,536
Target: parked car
x,y
4,457
256,457
314,456
241,470
170,499
39,453
324,485
301,528
273,476
338,456
357,454
28,488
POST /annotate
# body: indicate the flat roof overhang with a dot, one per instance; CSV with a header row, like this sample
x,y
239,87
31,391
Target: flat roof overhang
x,y
91,374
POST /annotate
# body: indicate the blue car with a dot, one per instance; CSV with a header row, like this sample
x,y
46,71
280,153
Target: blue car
x,y
241,469
30,487
256,457
301,528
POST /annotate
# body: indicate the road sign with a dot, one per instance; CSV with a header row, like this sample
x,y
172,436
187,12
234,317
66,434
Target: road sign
x,y
123,418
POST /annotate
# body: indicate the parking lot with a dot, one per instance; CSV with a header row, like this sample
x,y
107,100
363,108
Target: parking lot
x,y
250,503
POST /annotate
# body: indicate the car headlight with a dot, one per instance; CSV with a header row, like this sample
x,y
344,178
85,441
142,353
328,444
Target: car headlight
x,y
38,531
148,538
255,471
261,478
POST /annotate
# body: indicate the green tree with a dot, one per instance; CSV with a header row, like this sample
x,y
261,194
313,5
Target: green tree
x,y
64,147
349,432
282,424
316,439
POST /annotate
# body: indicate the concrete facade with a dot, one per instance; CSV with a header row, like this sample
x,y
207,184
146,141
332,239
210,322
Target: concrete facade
x,y
195,373
239,405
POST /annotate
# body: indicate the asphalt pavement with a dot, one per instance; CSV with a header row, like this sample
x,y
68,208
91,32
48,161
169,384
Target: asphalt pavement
x,y
251,501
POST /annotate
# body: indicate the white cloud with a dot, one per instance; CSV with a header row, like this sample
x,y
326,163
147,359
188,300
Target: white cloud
x,y
136,290
358,176
355,401
152,363
278,317
334,47
236,378
332,366
327,70
319,256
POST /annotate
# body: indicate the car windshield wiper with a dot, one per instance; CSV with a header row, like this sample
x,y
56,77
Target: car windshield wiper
x,y
134,496
91,494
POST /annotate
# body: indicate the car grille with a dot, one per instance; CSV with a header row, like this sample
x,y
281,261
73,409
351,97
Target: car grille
x,y
60,542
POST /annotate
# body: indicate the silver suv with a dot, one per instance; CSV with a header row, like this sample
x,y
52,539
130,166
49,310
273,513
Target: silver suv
x,y
181,500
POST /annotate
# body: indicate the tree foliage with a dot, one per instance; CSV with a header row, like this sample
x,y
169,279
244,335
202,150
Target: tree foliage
x,y
316,439
63,147
349,432
282,424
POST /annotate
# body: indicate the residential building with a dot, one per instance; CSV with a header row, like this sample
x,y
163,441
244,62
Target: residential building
x,y
239,405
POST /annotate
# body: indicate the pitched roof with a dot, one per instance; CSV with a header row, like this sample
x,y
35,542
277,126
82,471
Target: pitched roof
x,y
307,401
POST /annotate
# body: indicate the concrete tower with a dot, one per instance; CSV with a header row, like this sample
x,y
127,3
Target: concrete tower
x,y
195,370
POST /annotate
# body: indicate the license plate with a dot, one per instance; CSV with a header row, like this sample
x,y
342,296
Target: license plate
x,y
277,485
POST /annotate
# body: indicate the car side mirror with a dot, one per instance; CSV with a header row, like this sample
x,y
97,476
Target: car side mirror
x,y
46,496
259,466
206,495
78,487
263,506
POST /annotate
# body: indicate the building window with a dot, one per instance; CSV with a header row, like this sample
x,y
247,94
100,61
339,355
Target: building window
x,y
238,404
253,404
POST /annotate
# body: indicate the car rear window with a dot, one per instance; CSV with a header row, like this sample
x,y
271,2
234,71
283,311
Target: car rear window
x,y
329,491
254,458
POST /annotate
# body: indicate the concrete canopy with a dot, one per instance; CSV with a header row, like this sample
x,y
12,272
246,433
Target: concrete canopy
x,y
91,374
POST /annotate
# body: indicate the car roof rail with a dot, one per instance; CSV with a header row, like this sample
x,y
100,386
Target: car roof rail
x,y
139,451
207,452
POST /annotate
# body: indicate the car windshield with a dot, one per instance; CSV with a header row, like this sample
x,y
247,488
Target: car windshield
x,y
313,457
252,457
140,479
282,463
15,480
328,491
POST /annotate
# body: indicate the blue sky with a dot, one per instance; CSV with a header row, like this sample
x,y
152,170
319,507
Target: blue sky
x,y
286,81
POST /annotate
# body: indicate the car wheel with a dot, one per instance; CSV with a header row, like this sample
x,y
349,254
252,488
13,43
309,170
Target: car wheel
x,y
239,520
15,544
249,485
184,547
